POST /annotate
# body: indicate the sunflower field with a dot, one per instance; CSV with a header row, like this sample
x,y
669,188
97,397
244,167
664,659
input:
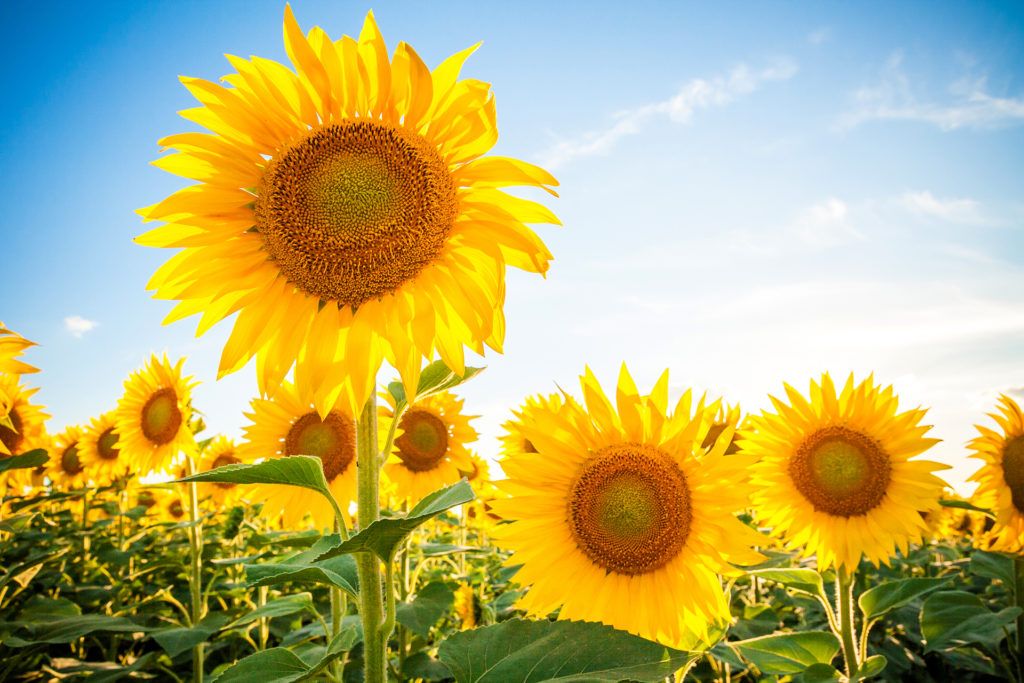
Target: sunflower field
x,y
346,214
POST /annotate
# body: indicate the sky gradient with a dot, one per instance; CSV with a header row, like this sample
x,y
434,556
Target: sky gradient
x,y
751,193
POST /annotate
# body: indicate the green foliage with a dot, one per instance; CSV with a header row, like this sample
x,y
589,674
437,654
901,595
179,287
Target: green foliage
x,y
789,653
956,618
24,461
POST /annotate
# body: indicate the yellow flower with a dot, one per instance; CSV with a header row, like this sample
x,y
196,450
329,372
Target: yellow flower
x,y
287,425
835,476
513,442
1001,475
346,213
100,452
618,520
478,474
28,420
152,417
13,345
727,416
430,446
465,605
220,452
66,467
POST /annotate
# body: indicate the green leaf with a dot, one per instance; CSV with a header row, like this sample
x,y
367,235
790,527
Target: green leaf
x,y
276,665
383,536
536,651
954,618
421,665
789,653
964,505
431,603
289,604
994,566
886,597
820,673
40,608
17,523
337,571
872,666
442,549
434,378
296,470
24,461
68,629
175,641
803,580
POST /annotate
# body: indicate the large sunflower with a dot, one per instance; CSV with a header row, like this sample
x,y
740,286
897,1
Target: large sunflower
x,y
152,418
1001,476
345,211
66,468
100,451
617,520
835,475
513,441
27,429
13,345
287,425
430,446
220,452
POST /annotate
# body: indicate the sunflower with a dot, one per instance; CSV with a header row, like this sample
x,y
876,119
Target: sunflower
x,y
220,452
13,345
835,474
287,425
617,520
346,212
478,474
726,416
100,452
67,469
1001,475
152,418
430,446
465,606
513,442
27,421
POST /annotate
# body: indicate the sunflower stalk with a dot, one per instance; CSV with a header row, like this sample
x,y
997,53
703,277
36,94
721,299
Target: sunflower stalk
x,y
844,608
195,541
1018,594
368,568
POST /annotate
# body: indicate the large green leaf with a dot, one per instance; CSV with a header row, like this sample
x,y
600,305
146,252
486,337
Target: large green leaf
x,y
177,640
538,651
68,629
276,665
954,618
337,571
422,665
431,603
803,580
280,607
891,595
24,461
296,470
994,566
434,378
871,667
383,536
789,653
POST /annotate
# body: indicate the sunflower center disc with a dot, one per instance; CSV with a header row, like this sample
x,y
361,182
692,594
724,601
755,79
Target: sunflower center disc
x,y
107,445
220,461
424,440
146,499
353,210
332,440
69,461
841,471
11,438
161,417
1013,469
176,509
629,509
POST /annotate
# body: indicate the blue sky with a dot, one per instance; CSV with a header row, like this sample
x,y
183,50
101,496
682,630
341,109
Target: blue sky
x,y
751,193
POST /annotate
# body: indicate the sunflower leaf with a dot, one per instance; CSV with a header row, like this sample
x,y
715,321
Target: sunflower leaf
x,y
539,651
964,505
431,603
955,618
276,665
384,535
994,566
886,597
296,470
24,461
789,653
802,580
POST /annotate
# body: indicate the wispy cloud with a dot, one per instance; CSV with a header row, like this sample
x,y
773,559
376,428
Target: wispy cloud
x,y
695,95
968,105
967,211
77,325
826,224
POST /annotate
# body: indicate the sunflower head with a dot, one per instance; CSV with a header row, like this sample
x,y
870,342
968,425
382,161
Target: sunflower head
x,y
615,518
67,467
13,345
1001,475
835,476
152,418
25,428
430,446
513,441
101,451
465,606
221,451
346,211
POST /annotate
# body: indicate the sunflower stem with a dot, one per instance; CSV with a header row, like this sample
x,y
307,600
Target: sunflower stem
x,y
844,598
370,604
195,541
1018,594
336,596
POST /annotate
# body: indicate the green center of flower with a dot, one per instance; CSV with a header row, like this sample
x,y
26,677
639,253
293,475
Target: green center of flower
x,y
333,440
1013,469
841,471
69,461
161,417
12,438
354,209
424,440
107,445
629,508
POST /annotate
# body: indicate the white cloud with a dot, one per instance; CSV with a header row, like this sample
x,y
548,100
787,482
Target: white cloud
x,y
826,224
819,36
695,95
77,325
969,105
966,211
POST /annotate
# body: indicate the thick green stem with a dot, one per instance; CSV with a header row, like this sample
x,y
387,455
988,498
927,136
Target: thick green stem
x,y
336,597
195,541
844,607
1018,593
370,603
